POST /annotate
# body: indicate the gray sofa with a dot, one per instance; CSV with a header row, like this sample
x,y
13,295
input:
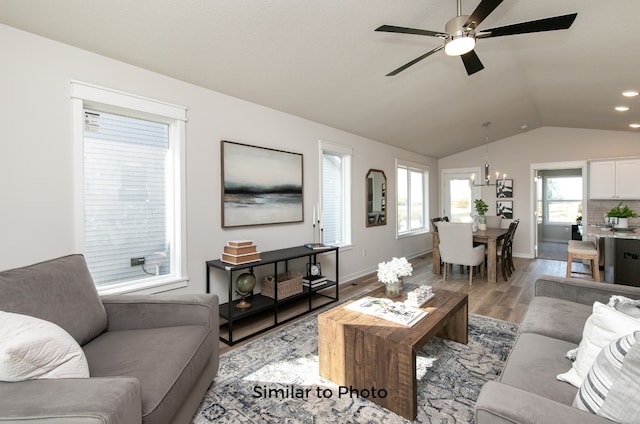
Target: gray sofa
x,y
527,390
151,357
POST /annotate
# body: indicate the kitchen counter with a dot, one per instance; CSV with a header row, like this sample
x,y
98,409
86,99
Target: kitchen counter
x,y
608,232
619,253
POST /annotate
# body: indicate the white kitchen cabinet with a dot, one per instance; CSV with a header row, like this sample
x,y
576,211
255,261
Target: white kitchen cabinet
x,y
614,179
628,179
602,180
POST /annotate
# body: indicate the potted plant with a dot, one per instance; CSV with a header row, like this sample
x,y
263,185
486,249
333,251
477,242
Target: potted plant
x,y
481,208
620,214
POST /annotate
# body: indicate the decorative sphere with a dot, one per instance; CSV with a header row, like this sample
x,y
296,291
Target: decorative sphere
x,y
245,283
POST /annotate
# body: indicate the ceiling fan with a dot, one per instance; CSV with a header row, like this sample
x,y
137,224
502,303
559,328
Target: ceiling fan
x,y
460,33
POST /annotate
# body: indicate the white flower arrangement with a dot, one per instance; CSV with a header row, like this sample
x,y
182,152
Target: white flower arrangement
x,y
390,272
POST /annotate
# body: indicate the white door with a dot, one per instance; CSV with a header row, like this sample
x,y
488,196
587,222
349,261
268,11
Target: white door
x,y
538,210
458,192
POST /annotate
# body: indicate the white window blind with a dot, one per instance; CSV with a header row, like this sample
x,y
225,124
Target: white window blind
x,y
336,194
127,190
332,199
412,198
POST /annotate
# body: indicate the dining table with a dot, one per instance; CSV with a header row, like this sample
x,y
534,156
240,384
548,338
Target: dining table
x,y
490,237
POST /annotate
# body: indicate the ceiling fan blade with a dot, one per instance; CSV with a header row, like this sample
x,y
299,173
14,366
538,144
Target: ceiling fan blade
x,y
403,30
472,62
540,25
483,10
414,61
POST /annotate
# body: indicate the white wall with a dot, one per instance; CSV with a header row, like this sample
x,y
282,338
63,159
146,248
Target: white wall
x,y
36,160
514,155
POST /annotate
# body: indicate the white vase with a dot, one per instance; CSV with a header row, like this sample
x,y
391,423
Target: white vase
x,y
482,222
392,290
622,223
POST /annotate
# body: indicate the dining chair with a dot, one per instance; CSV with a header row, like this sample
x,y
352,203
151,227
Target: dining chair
x,y
513,236
493,221
506,222
434,222
456,247
505,254
434,228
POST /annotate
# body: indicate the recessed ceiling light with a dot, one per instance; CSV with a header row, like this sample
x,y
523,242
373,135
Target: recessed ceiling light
x,y
622,108
630,93
634,126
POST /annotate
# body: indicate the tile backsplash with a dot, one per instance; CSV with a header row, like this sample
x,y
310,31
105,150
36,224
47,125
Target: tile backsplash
x,y
597,210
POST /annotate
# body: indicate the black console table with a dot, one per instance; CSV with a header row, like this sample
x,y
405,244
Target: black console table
x,y
263,304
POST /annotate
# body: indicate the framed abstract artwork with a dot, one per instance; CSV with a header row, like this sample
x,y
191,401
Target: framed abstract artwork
x,y
260,186
504,208
504,188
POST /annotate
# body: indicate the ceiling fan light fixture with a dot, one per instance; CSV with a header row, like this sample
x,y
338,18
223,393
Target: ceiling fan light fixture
x,y
460,40
459,36
458,45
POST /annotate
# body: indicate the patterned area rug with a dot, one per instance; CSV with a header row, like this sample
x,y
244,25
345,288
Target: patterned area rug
x,y
274,379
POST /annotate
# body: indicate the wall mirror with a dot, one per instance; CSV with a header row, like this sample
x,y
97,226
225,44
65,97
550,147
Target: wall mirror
x,y
376,198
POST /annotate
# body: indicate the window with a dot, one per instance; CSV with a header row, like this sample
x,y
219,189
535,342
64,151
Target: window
x,y
336,194
413,183
461,195
564,199
129,189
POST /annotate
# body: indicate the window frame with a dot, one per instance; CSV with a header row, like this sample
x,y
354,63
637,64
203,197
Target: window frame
x,y
346,154
85,95
424,170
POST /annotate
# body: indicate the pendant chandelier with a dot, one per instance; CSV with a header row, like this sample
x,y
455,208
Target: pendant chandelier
x,y
487,175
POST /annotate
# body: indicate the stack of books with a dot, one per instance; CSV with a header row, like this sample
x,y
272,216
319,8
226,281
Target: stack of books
x,y
240,252
313,280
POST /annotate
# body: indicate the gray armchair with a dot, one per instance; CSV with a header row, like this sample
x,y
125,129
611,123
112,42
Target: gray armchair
x,y
151,357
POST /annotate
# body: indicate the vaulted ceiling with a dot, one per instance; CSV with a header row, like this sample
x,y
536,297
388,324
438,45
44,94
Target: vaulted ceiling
x,y
322,60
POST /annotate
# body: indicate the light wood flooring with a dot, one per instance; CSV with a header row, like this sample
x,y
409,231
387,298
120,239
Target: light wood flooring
x,y
504,300
553,250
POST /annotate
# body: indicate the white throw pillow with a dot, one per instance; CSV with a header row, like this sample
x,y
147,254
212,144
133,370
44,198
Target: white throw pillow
x,y
625,305
603,326
32,348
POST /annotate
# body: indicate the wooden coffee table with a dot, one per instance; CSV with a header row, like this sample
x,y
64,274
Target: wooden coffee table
x,y
376,359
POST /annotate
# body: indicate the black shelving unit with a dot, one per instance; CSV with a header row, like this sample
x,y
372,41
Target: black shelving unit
x,y
263,304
